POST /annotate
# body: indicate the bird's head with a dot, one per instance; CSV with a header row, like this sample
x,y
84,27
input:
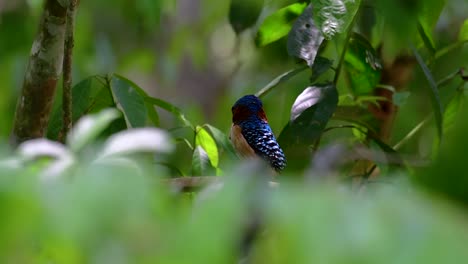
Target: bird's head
x,y
248,107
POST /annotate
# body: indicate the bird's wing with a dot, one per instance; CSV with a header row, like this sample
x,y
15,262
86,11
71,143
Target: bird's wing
x,y
260,138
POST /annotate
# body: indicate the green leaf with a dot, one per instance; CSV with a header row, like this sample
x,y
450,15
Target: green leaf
x,y
427,39
305,38
244,13
170,108
310,114
278,24
206,141
221,140
279,80
89,96
463,34
432,91
334,16
452,111
89,127
429,15
129,101
362,64
200,162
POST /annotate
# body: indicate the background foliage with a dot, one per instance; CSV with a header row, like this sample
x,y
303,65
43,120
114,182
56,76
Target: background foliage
x,y
365,97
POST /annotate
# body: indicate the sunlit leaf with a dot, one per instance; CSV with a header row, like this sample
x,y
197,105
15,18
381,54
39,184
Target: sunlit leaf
x,y
463,34
138,140
89,127
206,141
362,64
334,16
278,24
429,14
305,38
221,139
129,101
244,13
433,92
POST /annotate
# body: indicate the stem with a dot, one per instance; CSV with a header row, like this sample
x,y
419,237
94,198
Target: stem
x,y
67,71
343,53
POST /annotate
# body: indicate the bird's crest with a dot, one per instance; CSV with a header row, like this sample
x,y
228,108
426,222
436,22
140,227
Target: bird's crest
x,y
248,107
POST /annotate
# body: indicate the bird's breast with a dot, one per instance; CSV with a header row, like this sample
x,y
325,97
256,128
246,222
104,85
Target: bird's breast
x,y
240,144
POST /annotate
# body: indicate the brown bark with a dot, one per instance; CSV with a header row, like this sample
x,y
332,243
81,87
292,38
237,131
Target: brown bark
x,y
44,68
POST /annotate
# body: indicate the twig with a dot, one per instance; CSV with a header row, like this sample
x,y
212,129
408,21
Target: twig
x,y
67,71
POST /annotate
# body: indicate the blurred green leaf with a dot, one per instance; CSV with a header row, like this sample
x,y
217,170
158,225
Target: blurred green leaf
x,y
427,39
278,24
304,39
334,16
89,96
206,141
129,101
138,140
89,127
244,13
362,64
463,34
433,93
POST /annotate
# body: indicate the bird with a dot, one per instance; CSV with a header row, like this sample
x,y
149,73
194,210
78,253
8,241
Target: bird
x,y
251,134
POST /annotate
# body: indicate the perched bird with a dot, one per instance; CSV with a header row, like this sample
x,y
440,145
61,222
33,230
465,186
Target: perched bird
x,y
252,136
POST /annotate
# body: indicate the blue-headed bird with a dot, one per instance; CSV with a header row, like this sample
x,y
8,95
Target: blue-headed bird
x,y
251,134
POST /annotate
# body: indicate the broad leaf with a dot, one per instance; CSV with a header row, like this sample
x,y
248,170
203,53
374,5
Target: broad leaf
x,y
334,16
244,13
279,80
129,101
362,64
89,96
310,114
137,140
206,141
433,92
89,127
305,38
278,24
200,162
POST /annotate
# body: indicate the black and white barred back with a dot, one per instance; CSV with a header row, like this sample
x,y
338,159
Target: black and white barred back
x,y
259,136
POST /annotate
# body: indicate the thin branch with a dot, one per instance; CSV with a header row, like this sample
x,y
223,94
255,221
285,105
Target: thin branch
x,y
67,71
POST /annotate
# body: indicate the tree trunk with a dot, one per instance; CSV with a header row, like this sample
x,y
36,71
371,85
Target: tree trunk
x,y
44,68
